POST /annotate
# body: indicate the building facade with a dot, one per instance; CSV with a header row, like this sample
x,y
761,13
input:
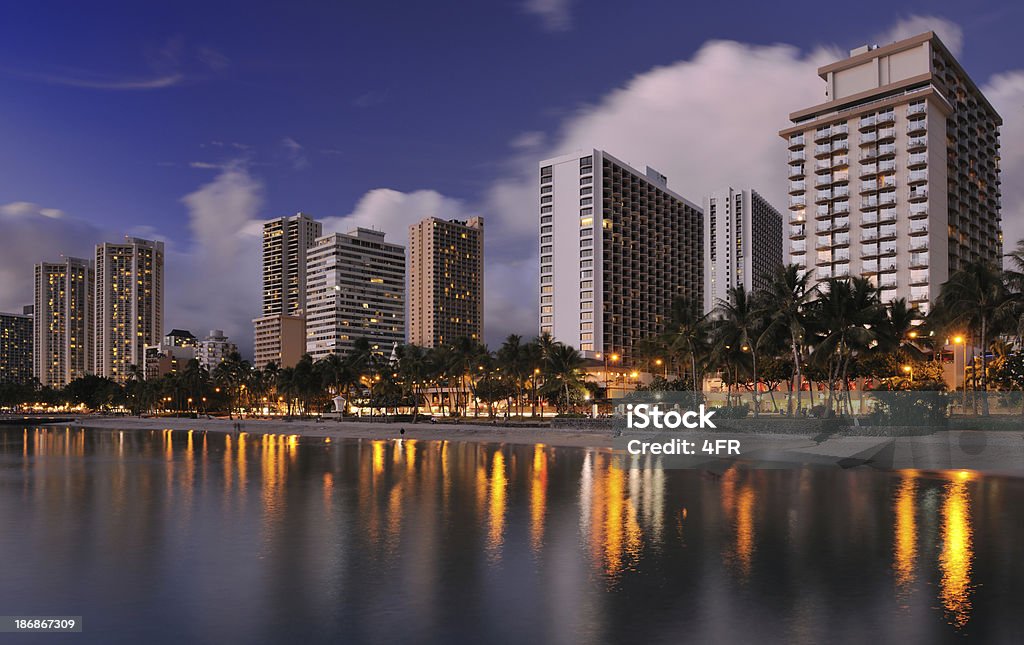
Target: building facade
x,y
446,280
285,242
15,348
356,289
214,349
617,247
742,243
280,339
129,305
63,315
896,176
280,333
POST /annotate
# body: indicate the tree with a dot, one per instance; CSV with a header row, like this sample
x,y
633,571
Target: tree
x,y
564,375
790,293
741,322
978,299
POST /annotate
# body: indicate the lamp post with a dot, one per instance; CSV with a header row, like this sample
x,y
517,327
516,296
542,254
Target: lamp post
x,y
909,370
960,340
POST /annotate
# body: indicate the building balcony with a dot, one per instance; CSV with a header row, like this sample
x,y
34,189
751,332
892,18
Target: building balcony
x,y
797,203
918,295
823,151
917,143
919,280
840,145
918,194
797,156
797,233
869,155
886,167
868,138
887,233
798,248
887,134
823,181
918,126
919,210
867,122
868,170
840,161
885,117
917,176
919,261
920,108
919,229
887,199
797,217
919,244
887,282
796,187
796,172
869,219
917,160
886,215
840,208
796,141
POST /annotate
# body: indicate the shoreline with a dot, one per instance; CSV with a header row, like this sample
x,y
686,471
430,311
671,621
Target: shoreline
x,y
329,429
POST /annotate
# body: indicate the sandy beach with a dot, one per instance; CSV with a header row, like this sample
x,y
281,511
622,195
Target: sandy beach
x,y
331,429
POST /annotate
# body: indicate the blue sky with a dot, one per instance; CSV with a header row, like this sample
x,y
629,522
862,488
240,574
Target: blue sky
x,y
113,113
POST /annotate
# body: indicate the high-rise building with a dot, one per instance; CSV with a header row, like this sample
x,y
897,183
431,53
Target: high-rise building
x,y
129,305
15,348
63,315
896,175
280,331
616,248
285,241
446,281
215,348
742,243
356,289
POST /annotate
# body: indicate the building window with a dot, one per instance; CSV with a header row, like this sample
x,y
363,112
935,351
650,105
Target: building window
x,y
546,199
586,232
586,180
545,239
586,190
545,209
586,201
545,219
545,229
544,190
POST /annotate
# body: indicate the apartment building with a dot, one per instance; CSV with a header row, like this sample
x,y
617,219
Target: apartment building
x,y
896,175
63,316
129,300
617,246
742,243
446,280
280,330
15,348
355,289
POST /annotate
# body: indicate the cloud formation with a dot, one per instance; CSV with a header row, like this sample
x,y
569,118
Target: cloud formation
x,y
949,32
295,153
555,15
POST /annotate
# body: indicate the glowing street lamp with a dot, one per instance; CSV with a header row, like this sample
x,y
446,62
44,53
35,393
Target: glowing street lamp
x,y
909,370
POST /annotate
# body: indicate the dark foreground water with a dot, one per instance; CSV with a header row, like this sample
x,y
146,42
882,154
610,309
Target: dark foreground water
x,y
161,537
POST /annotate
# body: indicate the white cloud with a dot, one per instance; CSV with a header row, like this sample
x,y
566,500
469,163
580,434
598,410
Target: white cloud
x,y
555,15
528,140
214,282
295,152
949,32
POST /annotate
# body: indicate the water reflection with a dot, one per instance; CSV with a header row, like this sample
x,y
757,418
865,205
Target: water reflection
x,y
905,536
957,555
504,535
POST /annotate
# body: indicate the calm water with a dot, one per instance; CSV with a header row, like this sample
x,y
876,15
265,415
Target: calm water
x,y
164,537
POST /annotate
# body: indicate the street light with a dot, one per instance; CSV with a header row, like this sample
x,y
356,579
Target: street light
x,y
909,369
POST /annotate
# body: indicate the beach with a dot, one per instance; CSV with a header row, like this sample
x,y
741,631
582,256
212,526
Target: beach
x,y
311,429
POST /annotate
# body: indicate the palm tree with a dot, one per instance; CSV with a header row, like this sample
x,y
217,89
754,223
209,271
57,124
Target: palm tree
x,y
846,320
741,323
687,336
563,374
790,293
514,360
979,299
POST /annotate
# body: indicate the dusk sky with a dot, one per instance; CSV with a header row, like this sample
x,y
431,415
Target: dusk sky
x,y
191,122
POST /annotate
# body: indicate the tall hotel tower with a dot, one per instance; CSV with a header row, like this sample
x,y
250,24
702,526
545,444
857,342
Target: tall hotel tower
x,y
896,176
356,289
616,248
742,243
446,281
280,332
129,304
15,348
62,347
